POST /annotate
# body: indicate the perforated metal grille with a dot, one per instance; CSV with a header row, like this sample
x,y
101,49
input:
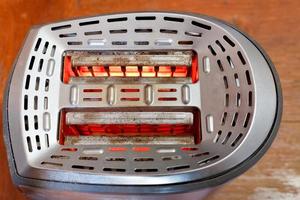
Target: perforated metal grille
x,y
224,94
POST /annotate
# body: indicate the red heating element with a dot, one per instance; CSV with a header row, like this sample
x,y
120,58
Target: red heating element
x,y
108,70
69,128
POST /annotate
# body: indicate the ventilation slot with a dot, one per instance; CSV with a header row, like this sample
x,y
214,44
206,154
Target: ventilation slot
x,y
130,90
145,170
250,99
220,65
141,43
114,169
168,31
237,139
61,27
38,142
217,137
189,149
225,82
178,167
230,62
35,121
228,41
212,51
194,34
52,164
60,157
53,51
71,149
116,159
37,45
235,117
82,167
119,19
169,158
204,26
117,149
47,82
140,149
173,19
199,154
226,103
45,47
45,103
223,120
88,158
167,90
93,33
27,81
29,145
92,90
238,99
185,42
143,159
47,140
35,102
26,123
237,81
246,121
241,57
119,43
226,138
37,83
71,43
67,35
41,62
25,102
130,99
92,99
220,45
31,63
248,77
167,99
145,18
143,30
204,162
89,23
118,31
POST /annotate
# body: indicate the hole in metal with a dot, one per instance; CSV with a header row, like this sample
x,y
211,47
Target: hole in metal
x,y
174,19
37,45
237,139
118,19
178,167
31,62
145,18
204,26
61,27
217,137
212,50
168,31
220,45
230,42
29,145
241,57
93,33
89,23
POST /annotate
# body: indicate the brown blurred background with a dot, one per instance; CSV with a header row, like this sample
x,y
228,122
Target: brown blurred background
x,y
274,24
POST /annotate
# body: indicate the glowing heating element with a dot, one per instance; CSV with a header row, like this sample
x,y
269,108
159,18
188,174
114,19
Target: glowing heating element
x,y
169,64
129,128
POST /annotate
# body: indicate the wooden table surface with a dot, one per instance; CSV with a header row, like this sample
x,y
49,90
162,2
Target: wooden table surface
x,y
274,24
